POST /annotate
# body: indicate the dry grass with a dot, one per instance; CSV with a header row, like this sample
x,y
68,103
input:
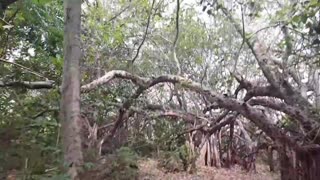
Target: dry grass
x,y
149,171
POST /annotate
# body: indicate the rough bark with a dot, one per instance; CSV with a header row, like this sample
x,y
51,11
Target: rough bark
x,y
70,102
215,152
299,165
250,152
287,170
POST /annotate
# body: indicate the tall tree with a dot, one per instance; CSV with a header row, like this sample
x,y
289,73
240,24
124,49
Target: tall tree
x,y
70,102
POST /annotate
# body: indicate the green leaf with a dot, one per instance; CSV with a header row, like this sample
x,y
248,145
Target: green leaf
x,y
304,18
296,19
198,60
313,2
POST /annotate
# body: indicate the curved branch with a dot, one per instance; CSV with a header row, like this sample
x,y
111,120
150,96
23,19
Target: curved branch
x,y
145,34
287,109
274,77
246,110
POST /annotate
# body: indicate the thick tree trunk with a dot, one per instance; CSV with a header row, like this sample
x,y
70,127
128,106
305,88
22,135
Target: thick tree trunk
x,y
309,165
70,102
288,164
302,165
287,169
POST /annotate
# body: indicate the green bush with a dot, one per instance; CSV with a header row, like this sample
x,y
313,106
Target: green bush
x,y
178,160
170,161
121,165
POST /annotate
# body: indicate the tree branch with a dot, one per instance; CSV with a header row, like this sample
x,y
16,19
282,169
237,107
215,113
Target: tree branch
x,y
246,110
29,85
145,34
176,39
23,67
293,112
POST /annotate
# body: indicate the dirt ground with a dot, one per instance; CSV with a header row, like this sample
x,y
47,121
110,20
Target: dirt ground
x,y
149,171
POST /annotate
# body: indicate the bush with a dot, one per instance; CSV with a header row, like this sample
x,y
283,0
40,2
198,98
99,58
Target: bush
x,y
179,160
171,161
122,165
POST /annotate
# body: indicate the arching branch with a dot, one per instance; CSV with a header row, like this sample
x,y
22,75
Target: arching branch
x,y
246,110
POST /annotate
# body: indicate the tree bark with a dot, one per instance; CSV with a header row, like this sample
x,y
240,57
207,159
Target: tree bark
x,y
270,158
230,153
70,102
215,152
287,169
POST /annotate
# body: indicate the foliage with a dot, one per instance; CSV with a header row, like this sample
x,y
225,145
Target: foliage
x,y
29,125
120,165
209,49
178,160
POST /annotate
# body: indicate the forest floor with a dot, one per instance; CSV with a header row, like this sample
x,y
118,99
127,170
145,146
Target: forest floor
x,y
149,171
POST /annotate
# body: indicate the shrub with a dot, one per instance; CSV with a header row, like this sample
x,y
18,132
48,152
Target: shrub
x,y
178,160
121,165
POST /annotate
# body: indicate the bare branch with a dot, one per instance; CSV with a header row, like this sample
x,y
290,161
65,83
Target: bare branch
x,y
119,13
145,34
283,107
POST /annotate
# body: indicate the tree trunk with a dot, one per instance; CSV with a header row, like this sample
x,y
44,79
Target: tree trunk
x,y
287,168
215,153
218,135
70,102
207,153
230,153
270,158
309,165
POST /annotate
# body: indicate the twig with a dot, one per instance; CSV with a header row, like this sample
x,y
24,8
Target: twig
x,y
145,34
243,42
267,27
3,20
119,13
